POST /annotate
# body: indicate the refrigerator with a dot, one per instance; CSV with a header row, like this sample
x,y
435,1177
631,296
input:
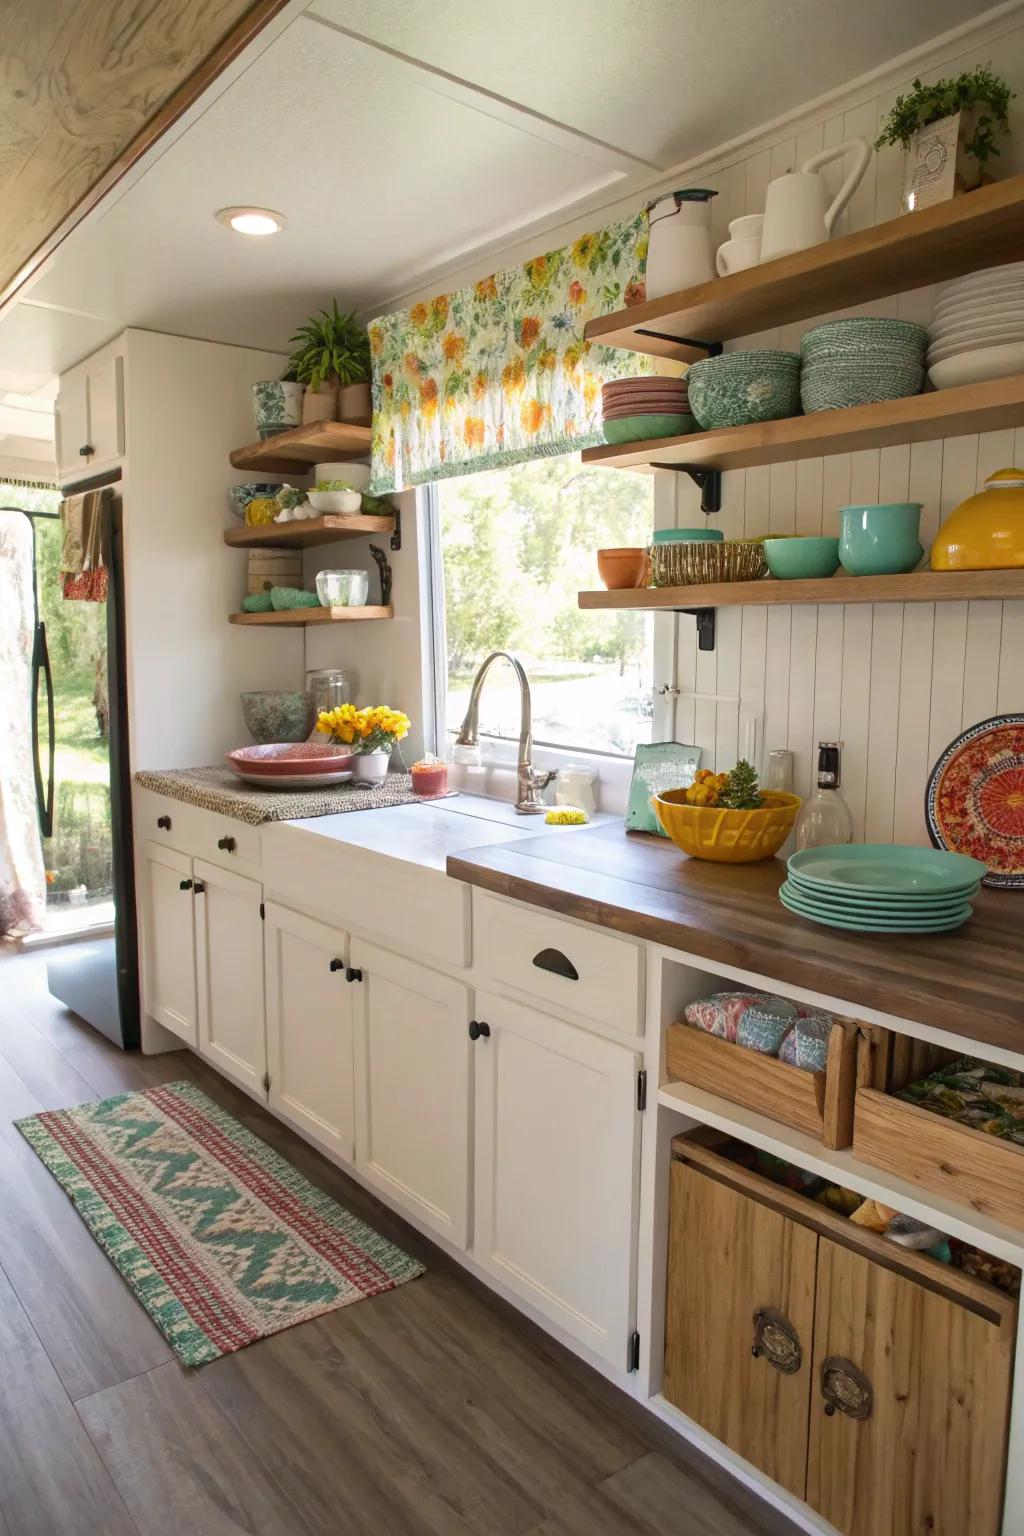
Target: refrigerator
x,y
97,976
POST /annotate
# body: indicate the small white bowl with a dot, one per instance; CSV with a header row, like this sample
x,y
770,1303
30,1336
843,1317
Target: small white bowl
x,y
357,475
336,501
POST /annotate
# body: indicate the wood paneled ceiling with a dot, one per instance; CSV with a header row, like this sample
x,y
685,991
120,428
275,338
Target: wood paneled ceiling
x,y
85,87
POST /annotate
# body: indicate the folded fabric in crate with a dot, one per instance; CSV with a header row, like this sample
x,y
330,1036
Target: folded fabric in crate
x,y
975,1093
812,1031
764,1026
720,1013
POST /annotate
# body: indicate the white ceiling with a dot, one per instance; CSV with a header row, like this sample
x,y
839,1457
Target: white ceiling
x,y
400,135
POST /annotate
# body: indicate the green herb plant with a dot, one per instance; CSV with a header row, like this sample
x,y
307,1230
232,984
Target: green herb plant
x,y
929,103
330,343
741,792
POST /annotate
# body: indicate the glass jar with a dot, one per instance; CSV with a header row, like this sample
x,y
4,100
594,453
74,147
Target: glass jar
x,y
328,688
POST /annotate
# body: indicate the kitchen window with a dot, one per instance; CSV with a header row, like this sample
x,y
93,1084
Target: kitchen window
x,y
512,548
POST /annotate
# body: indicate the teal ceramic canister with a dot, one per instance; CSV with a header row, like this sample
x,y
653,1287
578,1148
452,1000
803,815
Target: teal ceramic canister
x,y
880,540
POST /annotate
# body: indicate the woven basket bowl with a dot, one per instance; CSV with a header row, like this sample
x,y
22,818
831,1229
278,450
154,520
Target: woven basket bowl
x,y
833,389
727,837
677,565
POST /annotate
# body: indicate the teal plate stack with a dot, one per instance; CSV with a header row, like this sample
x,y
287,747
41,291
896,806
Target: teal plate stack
x,y
860,362
882,887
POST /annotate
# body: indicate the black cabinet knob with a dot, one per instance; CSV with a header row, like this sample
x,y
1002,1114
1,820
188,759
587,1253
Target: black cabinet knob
x,y
164,823
86,449
479,1030
198,887
353,974
227,844
185,885
337,965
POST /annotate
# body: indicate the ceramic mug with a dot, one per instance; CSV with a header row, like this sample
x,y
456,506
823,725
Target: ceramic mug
x,y
277,405
749,227
880,540
737,255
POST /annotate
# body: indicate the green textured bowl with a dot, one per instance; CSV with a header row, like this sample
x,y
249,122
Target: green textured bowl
x,y
277,715
632,429
802,559
742,387
865,331
835,387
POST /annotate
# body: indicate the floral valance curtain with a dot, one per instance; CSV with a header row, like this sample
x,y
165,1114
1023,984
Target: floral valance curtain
x,y
499,372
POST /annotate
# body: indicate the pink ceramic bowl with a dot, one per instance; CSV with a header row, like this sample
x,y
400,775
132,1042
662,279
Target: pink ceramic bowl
x,y
286,760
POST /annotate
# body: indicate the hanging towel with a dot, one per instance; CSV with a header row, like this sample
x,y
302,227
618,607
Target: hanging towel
x,y
83,573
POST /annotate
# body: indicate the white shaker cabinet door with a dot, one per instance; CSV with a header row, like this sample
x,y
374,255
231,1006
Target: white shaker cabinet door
x,y
413,1088
169,956
557,1170
229,955
309,1028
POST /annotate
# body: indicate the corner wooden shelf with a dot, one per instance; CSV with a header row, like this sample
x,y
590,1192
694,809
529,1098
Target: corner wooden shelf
x,y
918,587
300,618
305,535
983,228
987,407
292,452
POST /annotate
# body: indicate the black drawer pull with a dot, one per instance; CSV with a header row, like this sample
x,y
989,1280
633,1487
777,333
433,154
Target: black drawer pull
x,y
353,974
337,965
185,885
558,964
226,844
86,449
164,823
479,1031
198,887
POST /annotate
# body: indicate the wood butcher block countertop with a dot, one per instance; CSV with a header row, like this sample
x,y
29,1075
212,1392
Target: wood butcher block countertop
x,y
970,982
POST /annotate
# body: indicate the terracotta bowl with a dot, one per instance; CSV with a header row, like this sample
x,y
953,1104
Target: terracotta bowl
x,y
620,568
282,760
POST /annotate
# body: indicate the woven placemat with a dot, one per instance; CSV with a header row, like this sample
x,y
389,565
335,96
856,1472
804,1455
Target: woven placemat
x,y
217,789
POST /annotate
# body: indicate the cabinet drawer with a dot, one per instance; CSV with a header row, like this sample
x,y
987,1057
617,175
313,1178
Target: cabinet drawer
x,y
203,834
588,972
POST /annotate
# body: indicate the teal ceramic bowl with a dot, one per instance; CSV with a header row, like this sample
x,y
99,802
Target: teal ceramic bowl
x,y
742,387
688,536
802,559
880,540
631,429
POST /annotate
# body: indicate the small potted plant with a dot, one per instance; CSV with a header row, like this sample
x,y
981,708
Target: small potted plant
x,y
727,817
949,132
370,732
332,358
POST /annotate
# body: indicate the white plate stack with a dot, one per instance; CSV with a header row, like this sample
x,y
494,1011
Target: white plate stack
x,y
977,330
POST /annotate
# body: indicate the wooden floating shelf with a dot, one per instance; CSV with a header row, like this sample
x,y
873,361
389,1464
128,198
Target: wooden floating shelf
x,y
299,618
988,407
980,229
918,587
292,452
305,535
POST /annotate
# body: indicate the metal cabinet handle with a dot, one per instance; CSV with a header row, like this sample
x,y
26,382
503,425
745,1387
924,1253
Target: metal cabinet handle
x,y
164,823
479,1030
227,844
777,1341
845,1388
198,887
85,450
337,965
353,974
185,885
558,964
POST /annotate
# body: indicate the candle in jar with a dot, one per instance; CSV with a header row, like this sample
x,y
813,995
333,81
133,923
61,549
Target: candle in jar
x,y
429,777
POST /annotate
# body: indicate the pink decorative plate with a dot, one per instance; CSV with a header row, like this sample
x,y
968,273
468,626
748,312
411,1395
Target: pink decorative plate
x,y
290,760
975,799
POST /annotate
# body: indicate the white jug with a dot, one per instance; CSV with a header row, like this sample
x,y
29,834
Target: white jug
x,y
680,254
797,213
743,247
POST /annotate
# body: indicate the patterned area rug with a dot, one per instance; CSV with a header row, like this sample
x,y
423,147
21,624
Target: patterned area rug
x,y
221,1239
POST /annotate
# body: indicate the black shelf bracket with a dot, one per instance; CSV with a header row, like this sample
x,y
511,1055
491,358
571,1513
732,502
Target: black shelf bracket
x,y
705,626
708,481
712,348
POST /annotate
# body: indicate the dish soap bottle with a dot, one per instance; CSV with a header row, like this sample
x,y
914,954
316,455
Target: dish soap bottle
x,y
825,818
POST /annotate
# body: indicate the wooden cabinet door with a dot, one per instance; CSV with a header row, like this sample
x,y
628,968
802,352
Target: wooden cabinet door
x,y
106,414
730,1259
229,953
309,1028
71,425
929,1455
413,1088
169,956
557,1142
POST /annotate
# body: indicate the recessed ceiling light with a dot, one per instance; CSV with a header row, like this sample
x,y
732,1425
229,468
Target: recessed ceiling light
x,y
252,221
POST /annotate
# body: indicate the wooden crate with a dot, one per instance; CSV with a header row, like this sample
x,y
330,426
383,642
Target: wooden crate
x,y
818,1103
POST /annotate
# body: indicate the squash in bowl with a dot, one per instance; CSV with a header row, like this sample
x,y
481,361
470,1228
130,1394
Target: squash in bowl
x,y
724,836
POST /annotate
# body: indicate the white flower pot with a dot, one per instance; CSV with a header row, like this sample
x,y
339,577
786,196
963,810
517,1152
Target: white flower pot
x,y
370,767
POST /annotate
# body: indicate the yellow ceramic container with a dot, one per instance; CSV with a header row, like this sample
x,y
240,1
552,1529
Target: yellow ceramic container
x,y
727,837
985,532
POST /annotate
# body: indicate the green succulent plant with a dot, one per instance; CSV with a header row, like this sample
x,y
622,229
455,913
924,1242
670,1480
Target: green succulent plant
x,y
330,343
929,103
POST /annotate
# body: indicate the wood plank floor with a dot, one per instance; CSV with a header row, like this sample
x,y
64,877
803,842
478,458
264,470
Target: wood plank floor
x,y
434,1410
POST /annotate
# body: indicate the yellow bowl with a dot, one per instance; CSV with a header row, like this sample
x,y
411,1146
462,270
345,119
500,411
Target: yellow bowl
x,y
727,837
985,532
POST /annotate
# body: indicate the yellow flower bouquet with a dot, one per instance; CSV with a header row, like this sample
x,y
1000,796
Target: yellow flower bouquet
x,y
371,733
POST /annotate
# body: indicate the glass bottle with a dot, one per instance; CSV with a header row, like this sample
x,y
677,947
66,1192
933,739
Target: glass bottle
x,y
824,819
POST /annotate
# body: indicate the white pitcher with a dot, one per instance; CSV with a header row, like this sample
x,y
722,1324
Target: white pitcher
x,y
797,212
680,253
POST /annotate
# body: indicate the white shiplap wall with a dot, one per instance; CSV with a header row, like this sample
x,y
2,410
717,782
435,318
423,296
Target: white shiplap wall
x,y
894,682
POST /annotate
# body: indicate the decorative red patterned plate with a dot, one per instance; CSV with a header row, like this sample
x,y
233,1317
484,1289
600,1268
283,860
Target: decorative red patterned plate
x,y
288,760
975,798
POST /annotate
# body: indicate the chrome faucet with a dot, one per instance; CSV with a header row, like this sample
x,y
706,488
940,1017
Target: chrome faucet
x,y
531,782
